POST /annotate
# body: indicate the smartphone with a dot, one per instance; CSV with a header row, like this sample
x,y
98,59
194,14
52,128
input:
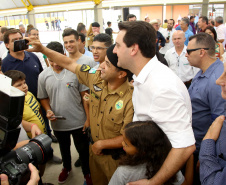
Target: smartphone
x,y
20,45
59,117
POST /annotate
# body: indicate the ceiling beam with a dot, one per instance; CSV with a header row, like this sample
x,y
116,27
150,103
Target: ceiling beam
x,y
97,2
27,4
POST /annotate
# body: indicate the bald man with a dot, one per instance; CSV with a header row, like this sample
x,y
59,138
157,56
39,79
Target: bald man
x,y
177,61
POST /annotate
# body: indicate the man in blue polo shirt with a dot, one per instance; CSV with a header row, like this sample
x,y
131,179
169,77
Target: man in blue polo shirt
x,y
207,103
29,64
23,61
184,26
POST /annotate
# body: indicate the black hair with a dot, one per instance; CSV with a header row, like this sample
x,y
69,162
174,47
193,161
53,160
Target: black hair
x,y
108,23
15,75
213,31
204,19
206,41
56,46
130,16
70,31
103,37
212,22
146,39
8,32
173,21
165,21
152,146
82,37
192,17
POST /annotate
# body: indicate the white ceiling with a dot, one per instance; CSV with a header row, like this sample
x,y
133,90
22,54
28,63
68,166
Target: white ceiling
x,y
10,4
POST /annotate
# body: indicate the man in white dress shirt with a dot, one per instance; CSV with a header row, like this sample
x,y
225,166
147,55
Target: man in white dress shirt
x,y
177,61
168,33
159,95
221,30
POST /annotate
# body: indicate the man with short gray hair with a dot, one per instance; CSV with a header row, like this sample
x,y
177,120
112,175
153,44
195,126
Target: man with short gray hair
x,y
185,22
221,30
22,29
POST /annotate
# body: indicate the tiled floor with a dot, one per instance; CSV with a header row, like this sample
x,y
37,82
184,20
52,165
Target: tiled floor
x,y
52,171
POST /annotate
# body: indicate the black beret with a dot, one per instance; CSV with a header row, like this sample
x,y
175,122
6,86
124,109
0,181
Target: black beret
x,y
113,58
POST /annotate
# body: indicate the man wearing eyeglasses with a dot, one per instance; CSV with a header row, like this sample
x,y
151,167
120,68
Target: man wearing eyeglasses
x,y
207,103
101,43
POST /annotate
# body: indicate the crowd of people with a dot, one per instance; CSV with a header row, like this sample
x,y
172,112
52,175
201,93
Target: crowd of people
x,y
145,109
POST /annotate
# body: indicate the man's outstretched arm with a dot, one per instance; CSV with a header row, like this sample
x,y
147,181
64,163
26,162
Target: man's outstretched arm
x,y
54,56
173,163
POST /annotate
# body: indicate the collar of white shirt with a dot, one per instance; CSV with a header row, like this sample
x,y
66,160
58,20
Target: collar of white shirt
x,y
142,76
184,50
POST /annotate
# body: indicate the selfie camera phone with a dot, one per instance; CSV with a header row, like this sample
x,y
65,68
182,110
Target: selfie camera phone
x,y
20,45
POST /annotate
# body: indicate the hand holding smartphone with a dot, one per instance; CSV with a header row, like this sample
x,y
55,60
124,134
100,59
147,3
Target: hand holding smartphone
x,y
20,45
59,117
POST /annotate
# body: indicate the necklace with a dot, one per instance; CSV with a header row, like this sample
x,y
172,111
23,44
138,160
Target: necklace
x,y
58,78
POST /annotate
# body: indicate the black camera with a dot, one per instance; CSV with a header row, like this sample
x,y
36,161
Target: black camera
x,y
15,163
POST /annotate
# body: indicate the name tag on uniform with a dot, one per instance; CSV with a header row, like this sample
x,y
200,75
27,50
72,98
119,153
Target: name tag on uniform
x,y
94,95
96,88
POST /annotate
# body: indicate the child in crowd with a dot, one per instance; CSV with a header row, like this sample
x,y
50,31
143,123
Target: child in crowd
x,y
32,117
146,147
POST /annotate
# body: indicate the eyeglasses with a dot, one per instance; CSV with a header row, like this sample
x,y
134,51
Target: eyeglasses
x,y
190,50
97,48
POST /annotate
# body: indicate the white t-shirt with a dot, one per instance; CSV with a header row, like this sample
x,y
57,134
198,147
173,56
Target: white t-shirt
x,y
3,50
23,134
168,45
180,65
161,96
221,33
125,174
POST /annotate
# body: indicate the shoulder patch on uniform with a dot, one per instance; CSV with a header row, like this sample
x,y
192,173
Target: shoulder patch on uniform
x,y
92,71
85,68
119,105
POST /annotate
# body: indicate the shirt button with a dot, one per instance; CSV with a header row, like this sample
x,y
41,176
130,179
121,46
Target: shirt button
x,y
101,112
112,119
105,100
97,124
96,137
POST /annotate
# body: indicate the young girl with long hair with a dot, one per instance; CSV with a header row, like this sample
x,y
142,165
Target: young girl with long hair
x,y
146,147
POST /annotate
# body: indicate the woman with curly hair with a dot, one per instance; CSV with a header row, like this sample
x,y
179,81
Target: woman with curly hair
x,y
146,147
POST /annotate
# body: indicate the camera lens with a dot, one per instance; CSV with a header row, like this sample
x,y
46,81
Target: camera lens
x,y
37,151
